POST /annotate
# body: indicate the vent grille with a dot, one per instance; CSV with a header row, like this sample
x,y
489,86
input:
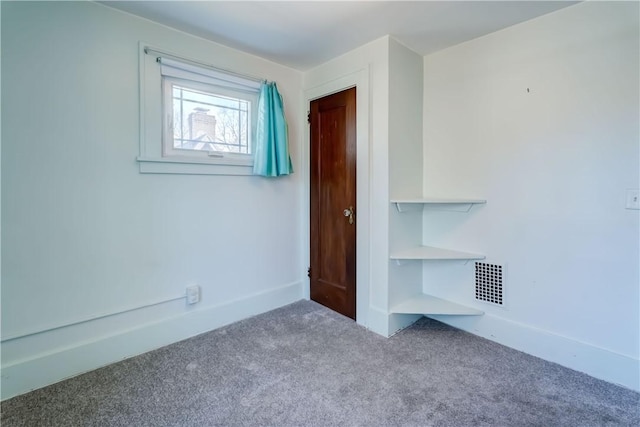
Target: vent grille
x,y
489,283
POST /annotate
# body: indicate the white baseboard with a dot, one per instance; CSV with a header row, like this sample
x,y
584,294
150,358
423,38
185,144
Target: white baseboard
x,y
595,361
47,368
385,324
378,321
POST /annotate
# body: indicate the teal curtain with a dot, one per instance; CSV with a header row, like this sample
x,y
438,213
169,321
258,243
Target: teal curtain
x,y
272,142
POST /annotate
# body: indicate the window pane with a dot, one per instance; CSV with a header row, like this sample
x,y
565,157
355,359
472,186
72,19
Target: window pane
x,y
209,122
177,121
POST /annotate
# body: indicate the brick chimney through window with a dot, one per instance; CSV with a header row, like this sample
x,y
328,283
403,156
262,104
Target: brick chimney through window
x,y
202,126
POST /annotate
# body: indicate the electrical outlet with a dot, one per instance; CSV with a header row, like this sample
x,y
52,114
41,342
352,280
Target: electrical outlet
x,y
193,294
633,198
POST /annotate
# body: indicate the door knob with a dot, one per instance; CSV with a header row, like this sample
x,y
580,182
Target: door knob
x,y
349,213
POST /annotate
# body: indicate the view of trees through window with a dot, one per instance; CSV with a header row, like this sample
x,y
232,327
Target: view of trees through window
x,y
209,122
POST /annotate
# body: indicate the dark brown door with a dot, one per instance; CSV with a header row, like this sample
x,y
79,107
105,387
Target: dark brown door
x,y
333,202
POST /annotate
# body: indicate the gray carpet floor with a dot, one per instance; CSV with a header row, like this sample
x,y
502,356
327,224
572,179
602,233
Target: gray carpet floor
x,y
304,365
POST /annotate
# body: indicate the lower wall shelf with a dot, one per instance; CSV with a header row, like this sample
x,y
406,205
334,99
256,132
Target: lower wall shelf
x,y
427,304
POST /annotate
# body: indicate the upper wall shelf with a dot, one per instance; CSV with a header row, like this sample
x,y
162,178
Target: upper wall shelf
x,y
432,253
451,204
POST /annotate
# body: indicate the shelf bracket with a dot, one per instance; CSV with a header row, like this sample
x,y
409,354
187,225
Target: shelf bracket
x,y
401,207
408,207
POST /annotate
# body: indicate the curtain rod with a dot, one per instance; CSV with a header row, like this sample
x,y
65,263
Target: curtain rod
x,y
150,51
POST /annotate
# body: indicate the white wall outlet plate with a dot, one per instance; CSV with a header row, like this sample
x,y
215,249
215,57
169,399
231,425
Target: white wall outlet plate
x,y
633,198
193,294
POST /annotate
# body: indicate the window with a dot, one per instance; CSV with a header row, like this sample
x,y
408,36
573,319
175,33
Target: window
x,y
206,118
204,121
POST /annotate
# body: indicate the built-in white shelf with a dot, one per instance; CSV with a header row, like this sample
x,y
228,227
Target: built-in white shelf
x,y
452,204
427,304
432,253
423,303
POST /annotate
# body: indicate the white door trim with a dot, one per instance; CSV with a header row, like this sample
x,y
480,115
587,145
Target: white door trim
x,y
360,80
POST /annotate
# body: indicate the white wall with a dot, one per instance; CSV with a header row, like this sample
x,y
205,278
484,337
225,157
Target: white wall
x,y
541,119
85,234
405,174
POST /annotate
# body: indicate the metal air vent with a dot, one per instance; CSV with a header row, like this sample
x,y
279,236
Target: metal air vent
x,y
489,284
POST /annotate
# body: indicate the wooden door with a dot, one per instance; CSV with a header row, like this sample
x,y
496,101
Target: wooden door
x,y
333,202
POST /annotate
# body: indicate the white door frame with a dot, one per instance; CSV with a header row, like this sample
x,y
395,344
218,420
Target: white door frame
x,y
359,80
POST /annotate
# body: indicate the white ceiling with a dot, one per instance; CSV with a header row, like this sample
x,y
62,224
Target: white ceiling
x,y
303,34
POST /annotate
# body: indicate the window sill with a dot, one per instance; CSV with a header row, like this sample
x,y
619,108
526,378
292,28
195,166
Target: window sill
x,y
190,166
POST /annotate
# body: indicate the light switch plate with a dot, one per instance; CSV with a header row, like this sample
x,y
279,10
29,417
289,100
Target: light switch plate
x,y
633,198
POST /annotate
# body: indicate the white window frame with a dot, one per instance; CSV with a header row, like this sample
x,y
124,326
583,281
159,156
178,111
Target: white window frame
x,y
156,154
